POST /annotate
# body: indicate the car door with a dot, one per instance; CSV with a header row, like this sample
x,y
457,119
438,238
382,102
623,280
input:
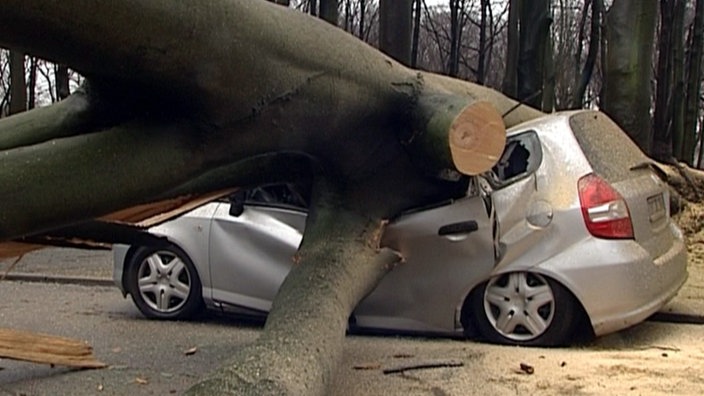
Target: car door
x,y
446,248
515,193
252,247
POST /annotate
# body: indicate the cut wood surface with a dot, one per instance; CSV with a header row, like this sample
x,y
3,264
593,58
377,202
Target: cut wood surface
x,y
47,349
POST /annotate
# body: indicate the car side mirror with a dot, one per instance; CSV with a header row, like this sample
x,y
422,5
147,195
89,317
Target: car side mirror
x,y
236,203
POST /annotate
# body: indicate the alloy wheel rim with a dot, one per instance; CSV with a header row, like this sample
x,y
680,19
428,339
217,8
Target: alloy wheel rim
x,y
164,282
520,305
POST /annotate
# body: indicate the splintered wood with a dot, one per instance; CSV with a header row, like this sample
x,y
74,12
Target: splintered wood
x,y
46,349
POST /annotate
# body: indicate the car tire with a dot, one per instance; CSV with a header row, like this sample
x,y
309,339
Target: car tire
x,y
524,308
164,283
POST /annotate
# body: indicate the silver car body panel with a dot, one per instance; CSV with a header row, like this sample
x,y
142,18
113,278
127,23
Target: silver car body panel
x,y
243,259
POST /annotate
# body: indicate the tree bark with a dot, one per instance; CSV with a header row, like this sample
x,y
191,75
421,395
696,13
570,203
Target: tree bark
x,y
18,85
627,92
662,133
678,80
329,11
32,83
62,82
534,30
481,57
594,39
336,235
395,29
415,40
694,78
453,65
510,83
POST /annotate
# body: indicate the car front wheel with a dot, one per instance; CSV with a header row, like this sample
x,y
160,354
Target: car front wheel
x,y
525,308
164,283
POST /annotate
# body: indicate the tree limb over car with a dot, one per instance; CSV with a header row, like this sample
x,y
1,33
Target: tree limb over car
x,y
187,98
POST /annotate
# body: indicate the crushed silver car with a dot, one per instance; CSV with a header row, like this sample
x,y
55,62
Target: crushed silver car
x,y
569,234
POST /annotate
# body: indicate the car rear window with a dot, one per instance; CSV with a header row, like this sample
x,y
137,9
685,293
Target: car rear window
x,y
608,149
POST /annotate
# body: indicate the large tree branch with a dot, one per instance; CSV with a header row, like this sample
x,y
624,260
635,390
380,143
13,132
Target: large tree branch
x,y
339,262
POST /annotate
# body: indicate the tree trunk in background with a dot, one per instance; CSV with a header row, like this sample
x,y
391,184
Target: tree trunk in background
x,y
329,10
694,77
453,66
594,40
662,137
415,41
481,58
678,83
62,82
510,83
32,83
395,26
534,28
362,18
630,30
548,102
18,84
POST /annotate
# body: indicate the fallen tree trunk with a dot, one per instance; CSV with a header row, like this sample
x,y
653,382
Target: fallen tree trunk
x,y
47,349
186,98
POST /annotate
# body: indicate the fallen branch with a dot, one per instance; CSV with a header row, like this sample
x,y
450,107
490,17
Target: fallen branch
x,y
46,349
423,366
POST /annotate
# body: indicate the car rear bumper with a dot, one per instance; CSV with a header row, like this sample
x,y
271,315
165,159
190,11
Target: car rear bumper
x,y
630,287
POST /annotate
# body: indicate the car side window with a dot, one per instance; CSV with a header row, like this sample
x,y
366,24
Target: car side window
x,y
276,195
521,157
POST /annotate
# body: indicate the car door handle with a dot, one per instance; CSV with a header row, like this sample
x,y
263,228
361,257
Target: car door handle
x,y
463,227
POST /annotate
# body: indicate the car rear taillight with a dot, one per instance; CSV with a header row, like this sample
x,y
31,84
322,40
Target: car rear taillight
x,y
604,209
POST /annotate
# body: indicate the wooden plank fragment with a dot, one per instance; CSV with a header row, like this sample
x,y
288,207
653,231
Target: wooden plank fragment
x,y
47,349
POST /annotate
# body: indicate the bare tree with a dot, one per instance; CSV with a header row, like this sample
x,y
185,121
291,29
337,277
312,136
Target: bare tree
x,y
456,24
415,40
395,29
485,24
510,83
534,32
585,76
694,78
62,81
630,31
669,109
329,10
18,84
32,83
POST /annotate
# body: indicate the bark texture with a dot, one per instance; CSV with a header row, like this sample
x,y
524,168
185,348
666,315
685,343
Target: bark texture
x,y
18,84
395,22
630,29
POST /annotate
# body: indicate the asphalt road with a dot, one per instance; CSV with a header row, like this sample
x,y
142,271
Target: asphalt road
x,y
148,357
145,357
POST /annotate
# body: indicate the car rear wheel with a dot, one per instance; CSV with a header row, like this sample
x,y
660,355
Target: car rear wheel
x,y
525,308
164,283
